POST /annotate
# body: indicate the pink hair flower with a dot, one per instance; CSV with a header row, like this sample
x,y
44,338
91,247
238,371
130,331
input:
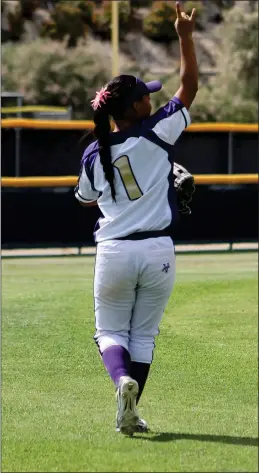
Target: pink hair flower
x,y
101,97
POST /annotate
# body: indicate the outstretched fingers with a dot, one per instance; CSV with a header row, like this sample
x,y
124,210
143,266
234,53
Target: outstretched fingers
x,y
181,14
193,15
178,10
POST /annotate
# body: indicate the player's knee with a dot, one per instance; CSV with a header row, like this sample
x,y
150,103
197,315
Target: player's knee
x,y
142,348
106,339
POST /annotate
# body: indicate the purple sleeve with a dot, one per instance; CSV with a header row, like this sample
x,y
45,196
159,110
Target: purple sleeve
x,y
88,160
178,102
169,122
173,106
85,190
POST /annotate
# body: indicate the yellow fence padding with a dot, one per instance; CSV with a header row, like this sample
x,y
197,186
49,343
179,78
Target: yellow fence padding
x,y
47,124
89,125
33,108
70,181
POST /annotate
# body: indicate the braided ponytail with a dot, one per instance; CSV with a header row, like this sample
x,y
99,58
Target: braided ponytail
x,y
102,132
110,101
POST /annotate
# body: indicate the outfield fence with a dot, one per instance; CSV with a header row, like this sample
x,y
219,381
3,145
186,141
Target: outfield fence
x,y
221,156
228,134
89,125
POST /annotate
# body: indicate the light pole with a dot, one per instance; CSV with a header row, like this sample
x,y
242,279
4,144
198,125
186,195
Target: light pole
x,y
115,38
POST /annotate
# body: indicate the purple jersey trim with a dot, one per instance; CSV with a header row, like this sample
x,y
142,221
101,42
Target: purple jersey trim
x,y
169,109
88,160
88,151
178,101
172,198
142,128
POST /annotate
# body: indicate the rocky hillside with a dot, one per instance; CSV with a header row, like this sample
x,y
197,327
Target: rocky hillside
x,y
57,54
156,56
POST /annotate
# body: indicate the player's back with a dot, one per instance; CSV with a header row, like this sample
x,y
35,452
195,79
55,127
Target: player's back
x,y
142,158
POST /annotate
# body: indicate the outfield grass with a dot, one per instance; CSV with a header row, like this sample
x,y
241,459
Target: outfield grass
x,y
58,405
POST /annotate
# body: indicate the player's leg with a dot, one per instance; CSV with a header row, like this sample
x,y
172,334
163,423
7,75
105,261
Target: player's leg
x,y
114,295
153,291
139,371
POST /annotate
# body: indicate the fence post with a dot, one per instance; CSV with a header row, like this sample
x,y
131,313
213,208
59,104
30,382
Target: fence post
x,y
230,165
18,141
17,131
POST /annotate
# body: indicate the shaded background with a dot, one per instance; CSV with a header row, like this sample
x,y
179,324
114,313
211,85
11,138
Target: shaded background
x,y
53,217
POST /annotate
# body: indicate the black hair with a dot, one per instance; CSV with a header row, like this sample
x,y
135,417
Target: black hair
x,y
119,89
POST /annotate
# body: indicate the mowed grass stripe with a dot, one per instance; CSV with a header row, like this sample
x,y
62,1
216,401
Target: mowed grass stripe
x,y
201,398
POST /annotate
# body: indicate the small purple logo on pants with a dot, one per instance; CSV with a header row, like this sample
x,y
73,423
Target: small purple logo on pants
x,y
166,266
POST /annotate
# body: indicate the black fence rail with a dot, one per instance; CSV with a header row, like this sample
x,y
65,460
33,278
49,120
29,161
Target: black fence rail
x,y
203,149
52,216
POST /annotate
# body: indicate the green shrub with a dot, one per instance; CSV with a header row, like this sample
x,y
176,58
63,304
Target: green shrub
x,y
219,104
232,95
240,46
141,3
66,21
224,4
103,17
28,7
159,24
87,10
47,73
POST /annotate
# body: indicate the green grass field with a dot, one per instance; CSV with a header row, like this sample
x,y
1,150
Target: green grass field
x,y
58,405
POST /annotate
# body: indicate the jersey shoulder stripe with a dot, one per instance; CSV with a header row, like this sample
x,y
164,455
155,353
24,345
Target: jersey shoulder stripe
x,y
173,106
167,113
88,161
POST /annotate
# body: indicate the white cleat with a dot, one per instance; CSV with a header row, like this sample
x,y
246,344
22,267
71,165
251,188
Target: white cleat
x,y
141,427
127,415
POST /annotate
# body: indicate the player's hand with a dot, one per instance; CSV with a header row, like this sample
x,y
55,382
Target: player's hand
x,y
184,23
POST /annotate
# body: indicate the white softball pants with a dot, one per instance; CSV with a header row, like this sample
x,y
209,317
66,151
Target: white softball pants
x,y
132,284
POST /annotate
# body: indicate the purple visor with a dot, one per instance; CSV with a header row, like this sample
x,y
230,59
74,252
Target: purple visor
x,y
141,88
147,88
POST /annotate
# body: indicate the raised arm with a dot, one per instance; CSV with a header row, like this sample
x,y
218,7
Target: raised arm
x,y
184,26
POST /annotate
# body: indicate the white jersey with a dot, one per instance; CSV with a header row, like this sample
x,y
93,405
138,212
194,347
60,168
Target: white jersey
x,y
142,156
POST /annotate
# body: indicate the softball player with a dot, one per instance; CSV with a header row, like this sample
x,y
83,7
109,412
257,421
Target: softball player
x,y
128,174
